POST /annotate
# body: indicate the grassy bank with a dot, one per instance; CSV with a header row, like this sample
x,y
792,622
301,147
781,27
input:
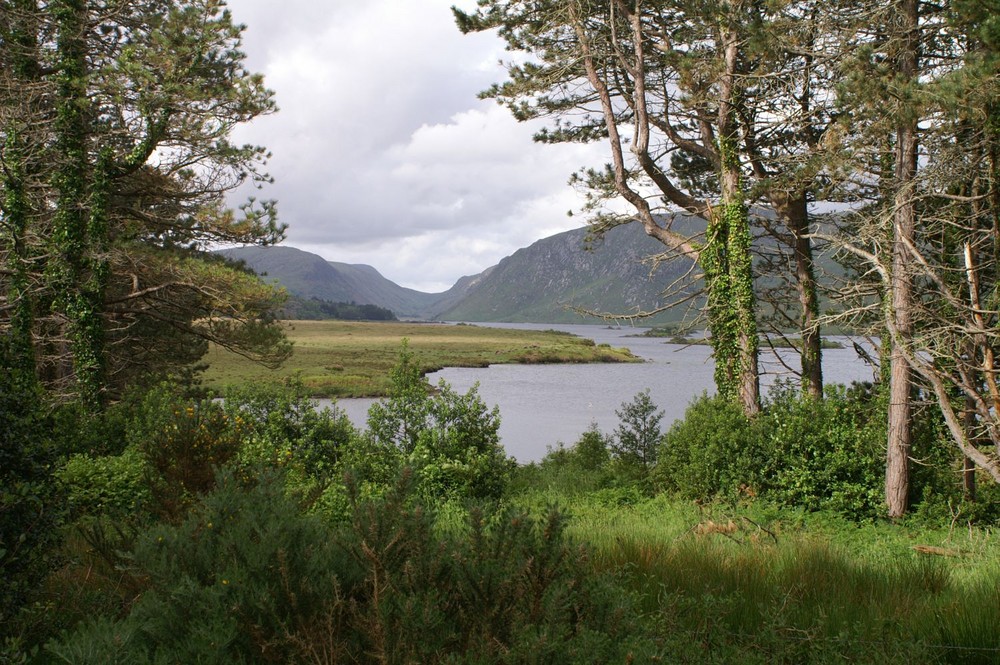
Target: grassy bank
x,y
674,335
759,585
353,359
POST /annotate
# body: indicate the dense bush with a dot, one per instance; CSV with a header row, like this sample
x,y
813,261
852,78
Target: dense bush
x,y
184,442
709,453
31,508
451,440
815,454
822,454
283,427
113,485
247,577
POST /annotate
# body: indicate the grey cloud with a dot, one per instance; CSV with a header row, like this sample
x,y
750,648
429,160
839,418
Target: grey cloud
x,y
382,152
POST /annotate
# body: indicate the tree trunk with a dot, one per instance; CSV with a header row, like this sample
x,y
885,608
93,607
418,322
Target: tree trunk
x,y
968,466
897,467
794,212
738,261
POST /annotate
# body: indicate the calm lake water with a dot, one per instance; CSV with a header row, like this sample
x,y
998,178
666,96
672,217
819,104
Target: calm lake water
x,y
544,405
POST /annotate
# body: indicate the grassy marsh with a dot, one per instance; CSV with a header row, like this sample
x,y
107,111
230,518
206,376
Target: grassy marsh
x,y
353,359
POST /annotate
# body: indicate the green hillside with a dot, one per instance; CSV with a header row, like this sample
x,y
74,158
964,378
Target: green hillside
x,y
542,283
546,281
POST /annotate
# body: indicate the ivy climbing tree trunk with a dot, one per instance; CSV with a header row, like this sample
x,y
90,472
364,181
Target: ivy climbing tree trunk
x,y
115,156
730,286
79,208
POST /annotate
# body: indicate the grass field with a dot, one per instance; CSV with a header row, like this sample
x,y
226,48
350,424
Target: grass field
x,y
353,359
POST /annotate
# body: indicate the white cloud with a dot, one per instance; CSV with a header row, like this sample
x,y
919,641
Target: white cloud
x,y
382,152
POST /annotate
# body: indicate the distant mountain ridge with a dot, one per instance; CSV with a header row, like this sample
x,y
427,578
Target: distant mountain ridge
x,y
307,275
535,284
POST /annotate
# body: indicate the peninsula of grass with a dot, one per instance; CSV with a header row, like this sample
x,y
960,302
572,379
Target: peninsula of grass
x,y
673,336
353,359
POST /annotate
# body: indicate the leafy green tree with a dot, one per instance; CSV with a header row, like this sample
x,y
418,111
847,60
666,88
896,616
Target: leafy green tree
x,y
115,121
638,435
398,420
451,440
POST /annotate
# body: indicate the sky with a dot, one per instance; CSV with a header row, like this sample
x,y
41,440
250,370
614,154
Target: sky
x,y
382,152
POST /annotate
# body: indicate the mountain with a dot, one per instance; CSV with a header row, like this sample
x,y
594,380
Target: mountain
x,y
537,283
542,282
307,275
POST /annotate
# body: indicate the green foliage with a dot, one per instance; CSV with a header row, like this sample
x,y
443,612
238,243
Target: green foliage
x,y
247,577
284,428
579,469
451,440
238,580
706,455
800,452
113,485
592,451
825,453
638,434
31,507
398,420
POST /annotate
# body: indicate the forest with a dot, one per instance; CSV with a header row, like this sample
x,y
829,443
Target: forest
x,y
844,158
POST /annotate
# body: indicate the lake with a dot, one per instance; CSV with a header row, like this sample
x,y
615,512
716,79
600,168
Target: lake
x,y
544,405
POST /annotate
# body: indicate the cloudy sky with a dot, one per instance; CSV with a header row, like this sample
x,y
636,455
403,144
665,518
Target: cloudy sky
x,y
382,152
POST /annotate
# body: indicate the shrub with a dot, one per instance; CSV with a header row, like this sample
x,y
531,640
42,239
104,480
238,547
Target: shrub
x,y
803,452
708,454
822,454
184,443
284,428
242,578
451,440
577,469
246,577
113,485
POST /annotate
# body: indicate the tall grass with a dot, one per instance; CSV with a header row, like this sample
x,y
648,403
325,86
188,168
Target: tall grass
x,y
747,586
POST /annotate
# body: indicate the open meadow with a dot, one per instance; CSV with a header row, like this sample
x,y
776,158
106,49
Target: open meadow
x,y
353,358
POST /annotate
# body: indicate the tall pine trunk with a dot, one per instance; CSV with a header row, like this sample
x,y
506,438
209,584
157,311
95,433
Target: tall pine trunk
x,y
897,467
794,212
